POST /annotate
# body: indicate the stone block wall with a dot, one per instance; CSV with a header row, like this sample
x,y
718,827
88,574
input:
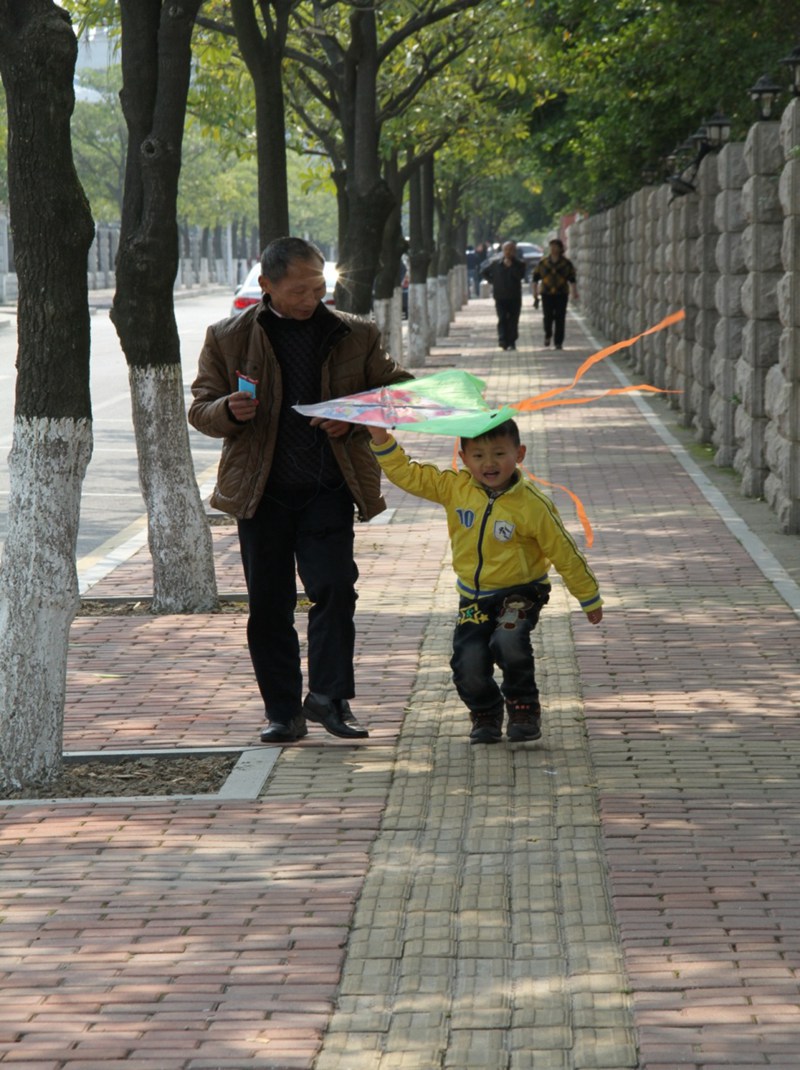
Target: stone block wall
x,y
782,387
704,281
728,254
761,248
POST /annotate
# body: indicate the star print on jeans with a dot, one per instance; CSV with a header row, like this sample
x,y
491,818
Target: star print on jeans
x,y
472,614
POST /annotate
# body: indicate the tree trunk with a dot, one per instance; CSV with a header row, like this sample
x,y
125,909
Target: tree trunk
x,y
264,56
463,271
52,438
369,198
419,258
156,58
427,209
388,296
448,256
360,246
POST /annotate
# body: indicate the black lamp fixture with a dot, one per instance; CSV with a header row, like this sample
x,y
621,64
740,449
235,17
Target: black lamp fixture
x,y
792,61
718,130
765,94
699,137
680,186
677,155
710,137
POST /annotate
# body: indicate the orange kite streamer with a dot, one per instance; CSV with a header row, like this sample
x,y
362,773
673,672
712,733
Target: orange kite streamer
x,y
550,399
543,401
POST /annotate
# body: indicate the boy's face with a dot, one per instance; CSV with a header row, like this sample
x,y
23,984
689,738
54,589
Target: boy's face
x,y
492,461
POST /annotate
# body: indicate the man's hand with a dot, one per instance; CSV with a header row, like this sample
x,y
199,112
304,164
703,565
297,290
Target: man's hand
x,y
242,406
332,428
595,615
379,435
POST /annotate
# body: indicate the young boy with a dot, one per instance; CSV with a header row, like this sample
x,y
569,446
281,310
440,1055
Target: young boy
x,y
504,534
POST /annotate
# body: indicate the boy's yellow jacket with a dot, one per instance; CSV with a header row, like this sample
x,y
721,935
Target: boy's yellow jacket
x,y
497,542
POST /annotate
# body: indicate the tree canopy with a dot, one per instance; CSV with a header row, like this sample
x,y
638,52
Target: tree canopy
x,y
551,105
622,82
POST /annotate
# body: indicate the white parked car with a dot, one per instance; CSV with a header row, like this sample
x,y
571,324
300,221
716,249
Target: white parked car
x,y
249,293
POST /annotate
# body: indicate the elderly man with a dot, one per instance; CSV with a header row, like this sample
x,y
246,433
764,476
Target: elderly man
x,y
506,277
294,484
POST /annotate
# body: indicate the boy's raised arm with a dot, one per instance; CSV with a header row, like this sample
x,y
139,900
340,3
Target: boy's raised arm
x,y
379,435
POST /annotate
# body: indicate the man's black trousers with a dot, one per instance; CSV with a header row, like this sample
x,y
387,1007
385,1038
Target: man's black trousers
x,y
313,538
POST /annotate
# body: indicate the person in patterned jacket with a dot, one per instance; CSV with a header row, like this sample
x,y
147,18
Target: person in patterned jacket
x,y
554,277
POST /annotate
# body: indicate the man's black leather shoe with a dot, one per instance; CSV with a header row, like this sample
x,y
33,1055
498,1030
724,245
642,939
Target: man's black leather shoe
x,y
335,716
275,732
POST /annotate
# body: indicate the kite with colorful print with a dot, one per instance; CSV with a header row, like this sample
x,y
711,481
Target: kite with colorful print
x,y
452,403
446,403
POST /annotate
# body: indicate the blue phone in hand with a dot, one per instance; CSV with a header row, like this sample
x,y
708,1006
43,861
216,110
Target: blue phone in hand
x,y
247,385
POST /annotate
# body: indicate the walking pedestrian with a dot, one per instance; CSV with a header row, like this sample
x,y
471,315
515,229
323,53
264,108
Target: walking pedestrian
x,y
506,275
554,277
291,483
472,265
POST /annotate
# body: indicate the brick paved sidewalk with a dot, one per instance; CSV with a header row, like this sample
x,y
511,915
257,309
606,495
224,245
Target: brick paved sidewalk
x,y
618,896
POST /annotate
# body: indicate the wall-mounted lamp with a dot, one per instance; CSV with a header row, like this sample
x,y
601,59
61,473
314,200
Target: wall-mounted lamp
x,y
678,153
710,137
680,186
792,61
765,93
718,130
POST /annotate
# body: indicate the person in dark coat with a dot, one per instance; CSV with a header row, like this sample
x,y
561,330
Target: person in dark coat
x,y
506,275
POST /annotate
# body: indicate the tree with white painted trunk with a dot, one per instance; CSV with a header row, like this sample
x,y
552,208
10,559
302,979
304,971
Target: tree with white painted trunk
x,y
52,437
156,63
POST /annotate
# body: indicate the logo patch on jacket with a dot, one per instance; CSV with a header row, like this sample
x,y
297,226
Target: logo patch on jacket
x,y
503,530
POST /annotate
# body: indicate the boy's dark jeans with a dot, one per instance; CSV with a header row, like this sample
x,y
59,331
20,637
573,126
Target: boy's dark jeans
x,y
496,630
554,312
318,535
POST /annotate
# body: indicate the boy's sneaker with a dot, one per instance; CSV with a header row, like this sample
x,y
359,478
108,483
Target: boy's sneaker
x,y
486,727
524,722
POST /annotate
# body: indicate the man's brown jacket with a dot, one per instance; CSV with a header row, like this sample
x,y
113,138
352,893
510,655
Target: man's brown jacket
x,y
354,361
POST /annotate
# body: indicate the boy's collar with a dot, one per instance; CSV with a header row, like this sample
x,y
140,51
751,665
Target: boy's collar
x,y
492,494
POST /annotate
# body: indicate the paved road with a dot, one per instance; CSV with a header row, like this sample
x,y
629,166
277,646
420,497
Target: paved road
x,y
112,509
